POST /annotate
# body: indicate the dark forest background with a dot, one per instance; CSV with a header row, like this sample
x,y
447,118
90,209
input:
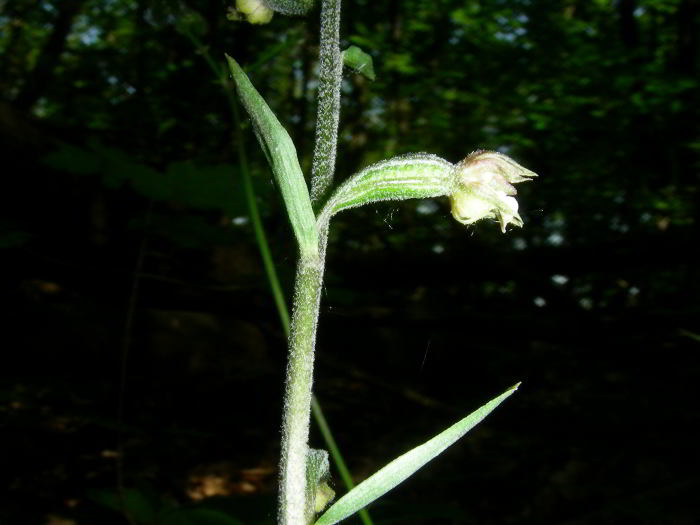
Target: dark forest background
x,y
125,246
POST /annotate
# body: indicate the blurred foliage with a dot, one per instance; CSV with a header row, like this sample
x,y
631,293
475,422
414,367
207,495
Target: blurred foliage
x,y
554,87
115,135
184,183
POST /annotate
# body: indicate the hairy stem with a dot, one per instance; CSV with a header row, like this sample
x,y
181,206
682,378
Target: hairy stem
x,y
330,76
268,262
297,399
297,396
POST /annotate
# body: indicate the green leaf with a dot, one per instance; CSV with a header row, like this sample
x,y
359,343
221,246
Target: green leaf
x,y
404,466
359,61
413,176
318,493
282,156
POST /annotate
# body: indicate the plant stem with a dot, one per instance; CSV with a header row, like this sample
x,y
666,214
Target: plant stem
x,y
268,263
297,397
328,113
309,278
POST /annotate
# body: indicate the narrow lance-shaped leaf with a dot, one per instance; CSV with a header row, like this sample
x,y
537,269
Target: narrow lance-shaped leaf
x,y
413,176
282,156
404,466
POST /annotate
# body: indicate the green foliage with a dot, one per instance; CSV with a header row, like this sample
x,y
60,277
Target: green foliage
x,y
213,187
359,61
559,83
282,157
303,491
607,116
191,21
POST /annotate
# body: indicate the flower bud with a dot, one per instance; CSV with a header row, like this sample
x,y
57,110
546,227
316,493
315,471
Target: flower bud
x,y
484,188
251,11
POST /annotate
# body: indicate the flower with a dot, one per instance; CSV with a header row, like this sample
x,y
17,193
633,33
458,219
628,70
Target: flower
x,y
484,188
252,11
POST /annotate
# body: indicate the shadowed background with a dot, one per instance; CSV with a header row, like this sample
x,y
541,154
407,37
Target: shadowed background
x,y
127,252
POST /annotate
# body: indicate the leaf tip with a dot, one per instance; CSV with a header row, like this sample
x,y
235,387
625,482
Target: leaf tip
x,y
235,69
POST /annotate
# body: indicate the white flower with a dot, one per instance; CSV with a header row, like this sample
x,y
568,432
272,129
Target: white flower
x,y
484,188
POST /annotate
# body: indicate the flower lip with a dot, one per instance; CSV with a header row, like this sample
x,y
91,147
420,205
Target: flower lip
x,y
484,188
